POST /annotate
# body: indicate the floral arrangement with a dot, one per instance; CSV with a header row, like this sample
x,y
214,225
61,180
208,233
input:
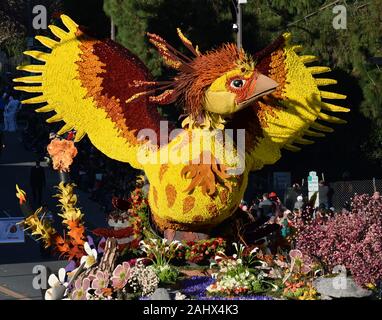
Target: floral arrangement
x,y
294,274
160,253
202,251
124,282
128,221
71,244
352,239
62,153
234,274
196,288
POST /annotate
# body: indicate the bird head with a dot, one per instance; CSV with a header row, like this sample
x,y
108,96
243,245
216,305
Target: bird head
x,y
221,82
237,89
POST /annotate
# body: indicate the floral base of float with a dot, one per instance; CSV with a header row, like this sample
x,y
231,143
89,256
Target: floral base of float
x,y
131,261
207,269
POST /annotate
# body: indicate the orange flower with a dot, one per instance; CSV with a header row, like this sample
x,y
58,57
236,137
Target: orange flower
x,y
107,292
62,153
290,286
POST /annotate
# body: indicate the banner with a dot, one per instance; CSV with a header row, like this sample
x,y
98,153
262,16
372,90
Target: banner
x,y
11,231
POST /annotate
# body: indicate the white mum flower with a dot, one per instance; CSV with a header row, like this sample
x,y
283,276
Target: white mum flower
x,y
57,286
91,258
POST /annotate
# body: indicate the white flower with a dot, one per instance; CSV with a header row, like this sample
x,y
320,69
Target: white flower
x,y
57,286
239,261
91,258
234,256
254,251
180,296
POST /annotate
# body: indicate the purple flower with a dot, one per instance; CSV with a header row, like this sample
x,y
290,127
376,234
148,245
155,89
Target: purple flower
x,y
100,282
101,243
196,288
71,266
121,275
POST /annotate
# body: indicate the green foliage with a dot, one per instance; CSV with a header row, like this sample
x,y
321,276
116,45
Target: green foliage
x,y
167,274
136,17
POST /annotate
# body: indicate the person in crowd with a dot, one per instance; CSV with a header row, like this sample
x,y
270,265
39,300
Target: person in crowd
x,y
247,210
254,207
265,207
292,195
37,183
299,204
376,195
10,114
3,101
278,207
323,191
285,223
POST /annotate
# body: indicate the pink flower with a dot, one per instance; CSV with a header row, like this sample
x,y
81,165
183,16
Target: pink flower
x,y
100,282
121,275
80,289
352,239
306,268
295,254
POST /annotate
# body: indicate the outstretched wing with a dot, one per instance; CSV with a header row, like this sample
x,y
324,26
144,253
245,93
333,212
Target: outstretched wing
x,y
87,82
292,112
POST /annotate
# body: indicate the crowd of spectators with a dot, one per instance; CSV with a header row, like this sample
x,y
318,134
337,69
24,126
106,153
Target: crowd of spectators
x,y
269,218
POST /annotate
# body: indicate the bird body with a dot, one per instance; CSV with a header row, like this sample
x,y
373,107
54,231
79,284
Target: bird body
x,y
241,111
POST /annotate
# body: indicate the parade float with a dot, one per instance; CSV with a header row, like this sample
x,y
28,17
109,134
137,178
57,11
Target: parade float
x,y
240,111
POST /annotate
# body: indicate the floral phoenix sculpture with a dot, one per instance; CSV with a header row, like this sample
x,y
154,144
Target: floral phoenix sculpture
x,y
102,90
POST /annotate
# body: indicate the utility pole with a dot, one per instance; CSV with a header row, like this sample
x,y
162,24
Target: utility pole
x,y
238,26
112,30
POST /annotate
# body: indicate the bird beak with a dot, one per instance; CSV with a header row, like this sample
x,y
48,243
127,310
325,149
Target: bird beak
x,y
259,87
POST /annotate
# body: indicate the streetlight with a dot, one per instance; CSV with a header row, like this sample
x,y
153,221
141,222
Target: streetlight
x,y
238,26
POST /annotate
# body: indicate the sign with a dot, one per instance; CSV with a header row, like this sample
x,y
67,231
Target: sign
x,y
313,181
243,1
11,231
313,187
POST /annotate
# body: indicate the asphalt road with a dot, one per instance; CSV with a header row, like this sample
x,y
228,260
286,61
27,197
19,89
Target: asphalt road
x,y
17,260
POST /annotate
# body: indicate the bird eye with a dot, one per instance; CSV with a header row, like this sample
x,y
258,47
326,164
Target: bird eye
x,y
237,83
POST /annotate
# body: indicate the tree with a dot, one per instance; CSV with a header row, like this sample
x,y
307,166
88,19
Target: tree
x,y
15,22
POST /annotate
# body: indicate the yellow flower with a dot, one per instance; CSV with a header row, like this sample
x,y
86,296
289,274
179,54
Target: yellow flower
x,y
371,286
39,227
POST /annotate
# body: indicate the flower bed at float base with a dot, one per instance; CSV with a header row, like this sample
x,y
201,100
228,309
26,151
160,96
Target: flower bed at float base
x,y
102,269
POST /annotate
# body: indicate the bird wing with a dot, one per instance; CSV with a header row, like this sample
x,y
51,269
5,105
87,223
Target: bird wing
x,y
284,118
87,82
